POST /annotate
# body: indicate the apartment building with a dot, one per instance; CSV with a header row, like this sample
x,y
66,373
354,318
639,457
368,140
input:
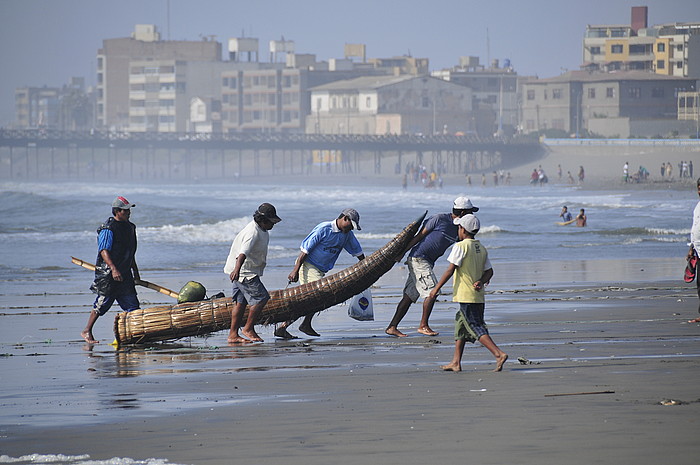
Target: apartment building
x,y
69,107
494,88
380,105
162,94
617,104
113,68
667,49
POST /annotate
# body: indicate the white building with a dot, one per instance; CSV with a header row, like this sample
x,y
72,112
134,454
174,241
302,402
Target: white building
x,y
390,105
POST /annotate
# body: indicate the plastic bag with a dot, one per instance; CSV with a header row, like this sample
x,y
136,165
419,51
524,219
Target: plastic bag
x,y
689,274
360,307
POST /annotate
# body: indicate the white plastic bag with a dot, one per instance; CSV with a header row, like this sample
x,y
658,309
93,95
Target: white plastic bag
x,y
361,306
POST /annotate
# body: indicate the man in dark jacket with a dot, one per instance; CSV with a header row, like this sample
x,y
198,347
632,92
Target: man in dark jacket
x,y
115,270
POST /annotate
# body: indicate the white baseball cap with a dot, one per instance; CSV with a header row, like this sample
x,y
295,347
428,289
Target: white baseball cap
x,y
469,222
463,203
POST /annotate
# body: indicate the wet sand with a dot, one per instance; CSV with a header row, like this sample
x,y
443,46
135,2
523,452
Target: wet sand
x,y
604,352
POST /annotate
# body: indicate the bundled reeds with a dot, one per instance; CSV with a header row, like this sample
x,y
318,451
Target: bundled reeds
x,y
197,318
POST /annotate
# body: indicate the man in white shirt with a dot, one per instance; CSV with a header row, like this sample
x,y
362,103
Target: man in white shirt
x,y
244,265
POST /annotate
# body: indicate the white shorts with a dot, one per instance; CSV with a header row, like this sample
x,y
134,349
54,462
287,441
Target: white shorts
x,y
421,278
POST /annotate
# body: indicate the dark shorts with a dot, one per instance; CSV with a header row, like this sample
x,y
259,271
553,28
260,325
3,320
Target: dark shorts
x,y
250,291
469,322
127,302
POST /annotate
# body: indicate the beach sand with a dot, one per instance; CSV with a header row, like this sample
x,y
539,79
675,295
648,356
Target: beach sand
x,y
608,344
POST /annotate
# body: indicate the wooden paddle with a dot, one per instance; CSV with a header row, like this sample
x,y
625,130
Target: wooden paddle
x,y
139,282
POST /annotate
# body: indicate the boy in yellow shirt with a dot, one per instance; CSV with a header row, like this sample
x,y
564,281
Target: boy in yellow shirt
x,y
470,265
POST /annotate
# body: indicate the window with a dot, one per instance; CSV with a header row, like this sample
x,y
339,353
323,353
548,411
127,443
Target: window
x,y
233,82
660,64
634,92
679,47
167,102
610,92
531,94
595,50
556,93
616,48
637,49
368,102
545,94
657,92
271,99
661,47
679,65
591,92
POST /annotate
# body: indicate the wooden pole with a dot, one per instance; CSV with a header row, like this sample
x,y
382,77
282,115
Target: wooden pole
x,y
140,282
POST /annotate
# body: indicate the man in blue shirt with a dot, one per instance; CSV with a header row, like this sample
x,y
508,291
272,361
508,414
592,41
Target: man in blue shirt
x,y
319,252
437,234
114,281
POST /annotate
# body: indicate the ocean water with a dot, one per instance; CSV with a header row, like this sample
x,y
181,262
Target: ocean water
x,y
189,228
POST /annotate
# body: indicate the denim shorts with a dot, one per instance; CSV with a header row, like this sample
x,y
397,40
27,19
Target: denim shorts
x,y
103,303
250,291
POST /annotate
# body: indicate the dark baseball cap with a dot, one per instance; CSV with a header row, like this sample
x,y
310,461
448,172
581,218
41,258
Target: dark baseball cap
x,y
268,211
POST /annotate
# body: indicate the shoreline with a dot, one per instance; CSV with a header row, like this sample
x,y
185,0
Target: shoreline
x,y
356,395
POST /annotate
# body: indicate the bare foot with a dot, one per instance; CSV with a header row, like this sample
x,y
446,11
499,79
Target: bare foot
x,y
452,367
252,335
696,320
427,331
500,361
284,334
394,331
308,330
89,338
238,340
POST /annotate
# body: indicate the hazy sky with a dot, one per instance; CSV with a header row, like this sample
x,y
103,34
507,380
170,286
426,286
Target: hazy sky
x,y
46,42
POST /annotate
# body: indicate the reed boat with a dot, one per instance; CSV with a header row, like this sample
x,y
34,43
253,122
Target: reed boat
x,y
169,322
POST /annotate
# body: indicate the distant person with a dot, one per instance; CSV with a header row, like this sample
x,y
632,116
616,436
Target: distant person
x,y
663,170
626,172
319,252
690,168
565,214
115,269
669,170
570,178
534,176
404,182
695,245
245,265
437,234
508,178
559,171
581,218
483,179
581,175
469,180
471,267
